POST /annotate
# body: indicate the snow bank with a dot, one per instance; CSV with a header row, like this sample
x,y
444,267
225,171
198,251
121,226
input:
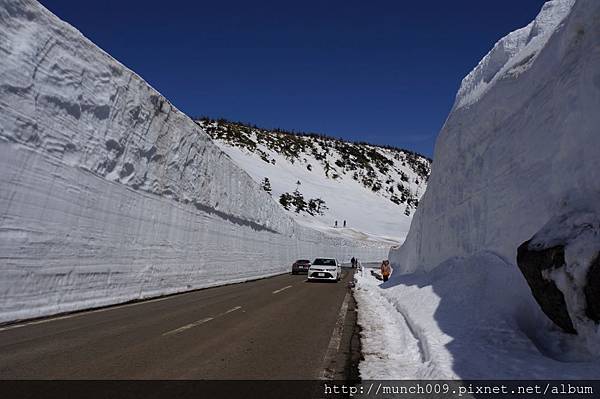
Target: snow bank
x,y
517,149
108,193
513,54
521,151
470,318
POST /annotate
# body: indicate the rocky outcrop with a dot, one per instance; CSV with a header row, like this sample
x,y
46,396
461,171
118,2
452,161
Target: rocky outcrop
x,y
592,291
561,264
533,263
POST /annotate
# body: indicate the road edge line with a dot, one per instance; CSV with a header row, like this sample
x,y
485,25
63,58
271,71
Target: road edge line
x,y
335,341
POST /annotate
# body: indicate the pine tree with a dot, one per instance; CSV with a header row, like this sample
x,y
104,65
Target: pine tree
x,y
299,202
285,200
266,185
318,205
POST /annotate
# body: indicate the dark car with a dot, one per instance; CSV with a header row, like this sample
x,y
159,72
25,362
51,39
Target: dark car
x,y
301,266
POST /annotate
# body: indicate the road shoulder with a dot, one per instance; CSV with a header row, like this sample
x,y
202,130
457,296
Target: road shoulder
x,y
341,362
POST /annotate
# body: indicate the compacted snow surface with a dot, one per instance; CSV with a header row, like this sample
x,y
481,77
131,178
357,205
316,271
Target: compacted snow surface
x,y
450,324
519,148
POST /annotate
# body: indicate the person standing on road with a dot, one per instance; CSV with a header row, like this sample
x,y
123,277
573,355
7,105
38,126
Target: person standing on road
x,y
353,262
386,270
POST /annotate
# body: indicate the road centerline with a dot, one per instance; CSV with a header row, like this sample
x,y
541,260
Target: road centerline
x,y
231,310
188,326
282,289
199,322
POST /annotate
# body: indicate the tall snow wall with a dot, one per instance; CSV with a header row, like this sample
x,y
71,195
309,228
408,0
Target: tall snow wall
x,y
521,144
108,193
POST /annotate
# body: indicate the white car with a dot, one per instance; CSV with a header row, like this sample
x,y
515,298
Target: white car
x,y
327,269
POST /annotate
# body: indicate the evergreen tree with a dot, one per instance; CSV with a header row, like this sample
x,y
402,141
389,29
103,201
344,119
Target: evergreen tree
x,y
316,206
266,185
286,200
299,202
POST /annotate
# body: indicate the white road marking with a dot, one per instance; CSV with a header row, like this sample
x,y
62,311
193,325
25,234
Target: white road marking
x,y
233,309
188,326
200,322
335,341
281,289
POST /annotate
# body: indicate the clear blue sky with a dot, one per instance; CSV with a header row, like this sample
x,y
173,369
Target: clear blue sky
x,y
379,71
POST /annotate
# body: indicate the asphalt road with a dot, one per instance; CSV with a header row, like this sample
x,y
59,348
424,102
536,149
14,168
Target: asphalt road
x,y
276,328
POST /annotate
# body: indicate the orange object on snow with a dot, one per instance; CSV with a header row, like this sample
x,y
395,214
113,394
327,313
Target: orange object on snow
x,y
386,269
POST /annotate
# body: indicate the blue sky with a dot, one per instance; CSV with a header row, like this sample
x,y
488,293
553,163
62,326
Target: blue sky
x,y
379,71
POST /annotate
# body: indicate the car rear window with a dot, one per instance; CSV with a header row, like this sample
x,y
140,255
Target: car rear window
x,y
324,262
302,261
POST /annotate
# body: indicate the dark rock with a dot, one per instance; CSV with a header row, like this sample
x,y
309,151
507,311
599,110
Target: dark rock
x,y
592,291
532,260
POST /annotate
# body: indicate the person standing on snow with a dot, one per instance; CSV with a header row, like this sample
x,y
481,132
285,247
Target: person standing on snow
x,y
386,270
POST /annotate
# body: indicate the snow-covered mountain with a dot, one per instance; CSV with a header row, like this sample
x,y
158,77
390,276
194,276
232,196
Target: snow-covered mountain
x,y
320,180
108,193
518,150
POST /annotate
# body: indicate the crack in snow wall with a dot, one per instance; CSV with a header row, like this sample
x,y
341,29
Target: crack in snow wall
x,y
514,155
108,193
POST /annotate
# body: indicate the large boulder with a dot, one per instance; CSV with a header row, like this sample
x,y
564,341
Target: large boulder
x,y
592,291
561,264
533,262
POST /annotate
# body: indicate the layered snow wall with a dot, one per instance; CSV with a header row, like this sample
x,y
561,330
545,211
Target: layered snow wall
x,y
108,193
519,148
520,145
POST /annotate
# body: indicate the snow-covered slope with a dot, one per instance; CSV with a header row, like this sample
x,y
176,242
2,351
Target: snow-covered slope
x,y
108,193
519,148
374,189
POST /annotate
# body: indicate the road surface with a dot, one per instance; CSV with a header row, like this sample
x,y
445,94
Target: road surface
x,y
276,328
